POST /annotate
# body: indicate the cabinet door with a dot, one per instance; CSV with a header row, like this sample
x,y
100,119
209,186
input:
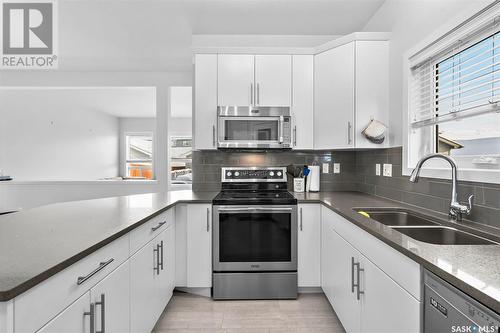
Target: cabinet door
x,y
334,98
205,101
309,245
235,79
372,88
167,270
385,306
199,245
303,101
111,297
143,289
339,274
273,80
72,319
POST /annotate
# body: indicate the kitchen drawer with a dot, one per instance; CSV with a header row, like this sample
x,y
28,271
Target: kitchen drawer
x,y
399,267
40,304
152,228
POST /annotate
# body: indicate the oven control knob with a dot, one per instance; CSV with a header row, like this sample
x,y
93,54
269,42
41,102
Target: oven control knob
x,y
279,173
229,174
236,174
271,173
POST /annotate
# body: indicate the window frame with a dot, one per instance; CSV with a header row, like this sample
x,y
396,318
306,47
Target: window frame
x,y
171,185
443,38
126,160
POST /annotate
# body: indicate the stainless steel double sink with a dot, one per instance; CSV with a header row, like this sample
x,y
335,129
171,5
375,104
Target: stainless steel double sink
x,y
423,228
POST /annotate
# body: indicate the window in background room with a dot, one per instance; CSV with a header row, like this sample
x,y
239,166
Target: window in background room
x,y
139,156
180,133
455,102
180,160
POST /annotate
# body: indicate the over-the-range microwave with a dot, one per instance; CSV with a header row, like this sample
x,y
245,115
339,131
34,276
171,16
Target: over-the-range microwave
x,y
254,127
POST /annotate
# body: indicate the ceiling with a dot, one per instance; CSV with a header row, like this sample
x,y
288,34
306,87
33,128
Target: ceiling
x,y
156,34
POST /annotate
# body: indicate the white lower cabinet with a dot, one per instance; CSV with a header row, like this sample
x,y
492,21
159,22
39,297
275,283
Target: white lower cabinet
x,y
337,279
199,245
72,319
309,245
111,299
106,306
385,306
365,298
151,281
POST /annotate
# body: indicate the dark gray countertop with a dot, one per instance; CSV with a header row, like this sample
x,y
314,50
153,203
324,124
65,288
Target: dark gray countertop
x,y
474,269
40,242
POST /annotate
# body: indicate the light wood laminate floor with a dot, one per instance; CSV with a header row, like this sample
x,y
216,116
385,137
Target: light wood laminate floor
x,y
195,314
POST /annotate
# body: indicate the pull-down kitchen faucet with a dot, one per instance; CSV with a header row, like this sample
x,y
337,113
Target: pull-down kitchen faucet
x,y
456,208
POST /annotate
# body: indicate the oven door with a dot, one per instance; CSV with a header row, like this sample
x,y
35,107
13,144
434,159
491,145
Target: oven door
x,y
255,238
250,132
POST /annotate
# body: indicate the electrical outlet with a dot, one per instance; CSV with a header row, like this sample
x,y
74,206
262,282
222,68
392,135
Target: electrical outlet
x,y
388,170
326,168
377,169
336,167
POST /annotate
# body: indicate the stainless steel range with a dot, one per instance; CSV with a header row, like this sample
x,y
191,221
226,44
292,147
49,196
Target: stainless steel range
x,y
254,235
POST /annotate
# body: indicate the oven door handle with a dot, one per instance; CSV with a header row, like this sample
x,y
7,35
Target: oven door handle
x,y
246,209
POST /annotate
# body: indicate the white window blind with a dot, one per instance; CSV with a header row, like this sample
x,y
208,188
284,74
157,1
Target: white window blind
x,y
461,82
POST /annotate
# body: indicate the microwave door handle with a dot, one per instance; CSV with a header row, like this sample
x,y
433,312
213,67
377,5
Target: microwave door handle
x,y
282,121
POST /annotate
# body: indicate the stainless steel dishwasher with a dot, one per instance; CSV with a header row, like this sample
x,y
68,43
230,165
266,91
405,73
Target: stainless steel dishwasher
x,y
447,309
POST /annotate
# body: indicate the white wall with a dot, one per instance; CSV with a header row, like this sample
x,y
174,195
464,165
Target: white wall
x,y
411,22
15,196
43,137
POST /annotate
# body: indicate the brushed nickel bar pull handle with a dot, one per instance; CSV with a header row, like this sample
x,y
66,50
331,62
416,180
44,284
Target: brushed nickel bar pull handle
x,y
349,128
157,252
91,315
82,279
251,94
295,136
359,281
102,304
160,263
352,274
208,219
213,135
158,226
300,218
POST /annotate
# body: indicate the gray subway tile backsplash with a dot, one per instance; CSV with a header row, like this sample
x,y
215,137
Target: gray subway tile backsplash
x,y
357,174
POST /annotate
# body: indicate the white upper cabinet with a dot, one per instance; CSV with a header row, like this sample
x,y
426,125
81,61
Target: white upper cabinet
x,y
372,88
273,80
205,101
334,98
350,89
235,79
303,101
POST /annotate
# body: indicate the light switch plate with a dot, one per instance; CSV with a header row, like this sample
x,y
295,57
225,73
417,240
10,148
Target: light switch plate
x,y
336,167
388,170
377,169
326,168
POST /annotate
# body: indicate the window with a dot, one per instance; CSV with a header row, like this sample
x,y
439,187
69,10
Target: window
x,y
181,160
139,156
455,101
